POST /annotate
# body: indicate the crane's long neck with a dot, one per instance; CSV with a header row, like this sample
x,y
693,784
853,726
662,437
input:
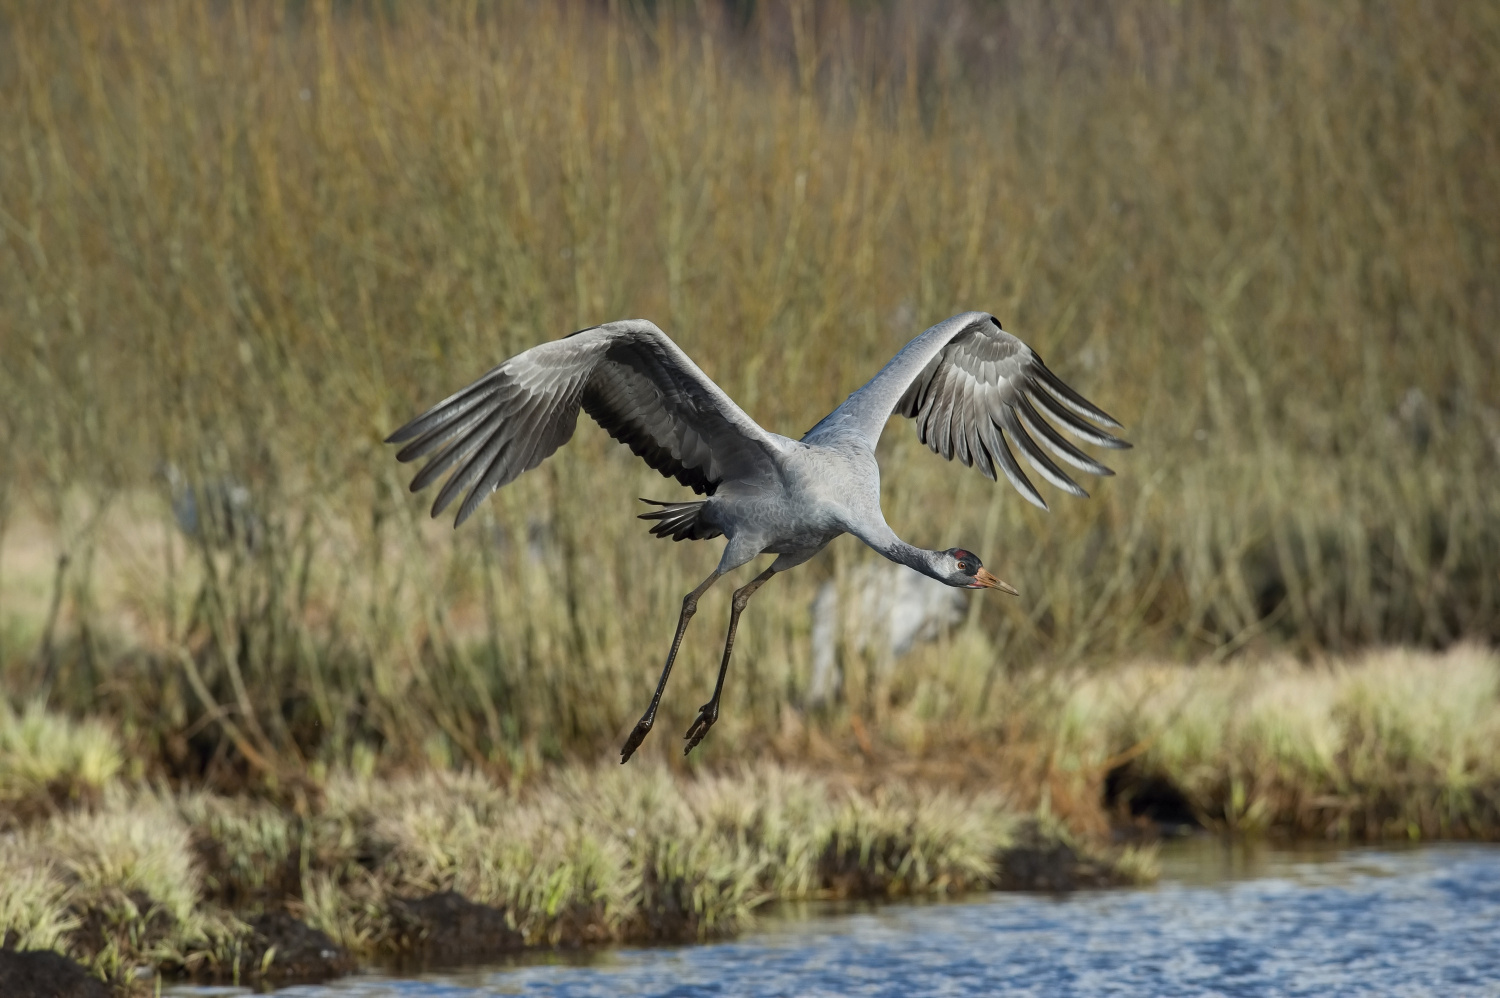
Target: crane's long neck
x,y
884,540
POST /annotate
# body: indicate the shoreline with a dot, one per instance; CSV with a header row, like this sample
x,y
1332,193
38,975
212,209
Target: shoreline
x,y
147,885
300,878
68,978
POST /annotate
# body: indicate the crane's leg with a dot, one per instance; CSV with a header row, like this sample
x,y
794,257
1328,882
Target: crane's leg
x,y
689,607
709,712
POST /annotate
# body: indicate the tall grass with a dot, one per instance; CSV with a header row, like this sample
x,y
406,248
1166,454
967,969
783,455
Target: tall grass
x,y
253,238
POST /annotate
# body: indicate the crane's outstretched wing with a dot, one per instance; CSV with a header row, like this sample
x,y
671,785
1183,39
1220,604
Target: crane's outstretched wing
x,y
627,375
972,387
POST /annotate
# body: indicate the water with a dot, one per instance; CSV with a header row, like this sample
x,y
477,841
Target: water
x,y
1221,922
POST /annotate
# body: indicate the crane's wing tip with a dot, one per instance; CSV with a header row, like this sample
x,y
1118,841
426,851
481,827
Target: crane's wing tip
x,y
402,434
1099,438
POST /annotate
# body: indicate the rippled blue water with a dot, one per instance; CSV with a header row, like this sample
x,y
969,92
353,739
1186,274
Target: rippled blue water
x,y
1412,922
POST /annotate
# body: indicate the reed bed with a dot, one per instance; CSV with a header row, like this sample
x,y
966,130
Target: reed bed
x,y
249,239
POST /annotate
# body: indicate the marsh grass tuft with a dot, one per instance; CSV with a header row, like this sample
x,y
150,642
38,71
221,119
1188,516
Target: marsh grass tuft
x,y
34,909
47,761
594,857
116,887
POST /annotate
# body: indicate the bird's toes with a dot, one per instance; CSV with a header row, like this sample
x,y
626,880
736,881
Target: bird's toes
x,y
707,715
634,741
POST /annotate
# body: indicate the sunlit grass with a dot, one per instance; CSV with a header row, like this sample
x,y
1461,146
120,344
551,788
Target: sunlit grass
x,y
149,879
48,759
1393,744
34,907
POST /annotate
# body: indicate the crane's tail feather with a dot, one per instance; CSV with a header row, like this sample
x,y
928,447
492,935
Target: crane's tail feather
x,y
681,521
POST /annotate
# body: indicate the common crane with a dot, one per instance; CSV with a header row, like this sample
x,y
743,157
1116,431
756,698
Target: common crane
x,y
220,513
974,390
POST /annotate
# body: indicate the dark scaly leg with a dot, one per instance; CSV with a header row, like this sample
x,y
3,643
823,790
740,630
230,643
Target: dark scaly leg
x,y
709,712
689,607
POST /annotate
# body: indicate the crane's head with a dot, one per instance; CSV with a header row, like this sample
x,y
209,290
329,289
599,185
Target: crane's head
x,y
962,569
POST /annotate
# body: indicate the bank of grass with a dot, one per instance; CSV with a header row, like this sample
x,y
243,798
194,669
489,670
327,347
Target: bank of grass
x,y
180,882
1392,744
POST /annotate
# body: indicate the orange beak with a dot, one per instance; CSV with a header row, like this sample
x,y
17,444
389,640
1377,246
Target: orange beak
x,y
984,580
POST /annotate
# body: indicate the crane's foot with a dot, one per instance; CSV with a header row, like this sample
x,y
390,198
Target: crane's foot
x,y
707,715
638,735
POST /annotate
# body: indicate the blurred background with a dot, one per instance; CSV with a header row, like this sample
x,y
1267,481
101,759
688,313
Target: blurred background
x,y
241,242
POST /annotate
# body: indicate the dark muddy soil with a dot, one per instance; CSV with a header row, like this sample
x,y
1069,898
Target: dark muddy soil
x,y
302,953
44,974
1038,862
449,926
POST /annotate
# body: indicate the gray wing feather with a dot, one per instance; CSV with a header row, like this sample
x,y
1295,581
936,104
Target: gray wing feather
x,y
1034,454
975,391
628,376
1056,442
1007,461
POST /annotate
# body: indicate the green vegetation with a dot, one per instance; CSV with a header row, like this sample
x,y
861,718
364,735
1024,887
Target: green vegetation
x,y
250,239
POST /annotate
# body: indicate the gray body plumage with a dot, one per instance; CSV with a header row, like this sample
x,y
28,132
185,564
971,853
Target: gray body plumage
x,y
821,491
974,391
